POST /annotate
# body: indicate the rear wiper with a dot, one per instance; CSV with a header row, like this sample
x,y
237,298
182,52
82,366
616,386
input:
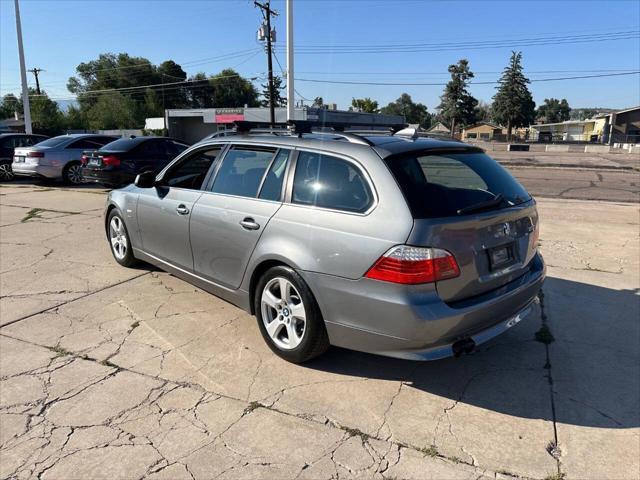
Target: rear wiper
x,y
497,200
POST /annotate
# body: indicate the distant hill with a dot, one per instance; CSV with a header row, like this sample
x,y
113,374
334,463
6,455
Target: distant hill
x,y
65,104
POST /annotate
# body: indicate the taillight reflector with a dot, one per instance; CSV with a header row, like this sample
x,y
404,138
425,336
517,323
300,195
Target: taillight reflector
x,y
412,265
35,154
111,160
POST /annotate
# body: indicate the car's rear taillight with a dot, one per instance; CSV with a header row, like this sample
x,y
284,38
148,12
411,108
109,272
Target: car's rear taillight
x,y
35,154
111,160
84,159
412,265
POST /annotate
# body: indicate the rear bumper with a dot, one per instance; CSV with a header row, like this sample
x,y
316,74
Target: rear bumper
x,y
35,170
412,322
107,177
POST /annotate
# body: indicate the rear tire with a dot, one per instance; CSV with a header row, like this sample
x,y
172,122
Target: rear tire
x,y
119,240
6,172
288,316
72,173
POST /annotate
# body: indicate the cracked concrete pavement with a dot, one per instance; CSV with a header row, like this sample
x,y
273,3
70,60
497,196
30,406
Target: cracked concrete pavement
x,y
113,373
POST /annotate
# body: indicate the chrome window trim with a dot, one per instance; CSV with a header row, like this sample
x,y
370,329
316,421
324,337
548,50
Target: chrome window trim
x,y
356,164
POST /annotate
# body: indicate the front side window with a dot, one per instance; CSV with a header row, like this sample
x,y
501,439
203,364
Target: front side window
x,y
330,182
192,170
242,170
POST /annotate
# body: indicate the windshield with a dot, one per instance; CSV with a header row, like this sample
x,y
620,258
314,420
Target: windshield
x,y
54,142
441,184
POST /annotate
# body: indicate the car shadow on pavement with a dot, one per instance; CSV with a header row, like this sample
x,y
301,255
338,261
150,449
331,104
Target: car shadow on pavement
x,y
588,375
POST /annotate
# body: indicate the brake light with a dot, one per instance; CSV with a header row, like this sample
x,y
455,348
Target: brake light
x,y
111,160
413,265
35,154
84,159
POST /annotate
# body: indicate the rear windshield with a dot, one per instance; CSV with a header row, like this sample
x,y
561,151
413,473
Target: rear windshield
x,y
440,184
54,142
120,145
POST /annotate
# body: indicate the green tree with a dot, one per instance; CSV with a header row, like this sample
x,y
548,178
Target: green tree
x,y
413,112
553,110
75,119
456,103
278,99
113,110
9,105
483,112
173,96
46,116
364,105
200,91
230,89
513,104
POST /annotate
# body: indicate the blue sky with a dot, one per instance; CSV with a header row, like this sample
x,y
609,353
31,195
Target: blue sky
x,y
60,34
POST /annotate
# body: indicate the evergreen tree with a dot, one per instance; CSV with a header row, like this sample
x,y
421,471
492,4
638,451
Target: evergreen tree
x,y
457,105
413,112
278,99
513,104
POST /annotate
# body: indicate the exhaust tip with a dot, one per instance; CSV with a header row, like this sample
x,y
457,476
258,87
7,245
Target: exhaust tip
x,y
466,346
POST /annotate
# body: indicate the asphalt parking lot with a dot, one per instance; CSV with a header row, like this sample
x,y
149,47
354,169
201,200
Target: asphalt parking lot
x,y
108,372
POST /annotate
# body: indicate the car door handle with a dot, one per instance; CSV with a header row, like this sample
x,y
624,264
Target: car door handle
x,y
249,224
182,209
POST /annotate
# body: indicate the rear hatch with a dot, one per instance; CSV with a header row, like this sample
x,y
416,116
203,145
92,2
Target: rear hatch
x,y
464,202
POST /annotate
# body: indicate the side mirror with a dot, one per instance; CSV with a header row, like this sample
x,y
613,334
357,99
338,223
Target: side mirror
x,y
145,180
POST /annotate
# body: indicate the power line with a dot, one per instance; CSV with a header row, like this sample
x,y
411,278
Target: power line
x,y
347,82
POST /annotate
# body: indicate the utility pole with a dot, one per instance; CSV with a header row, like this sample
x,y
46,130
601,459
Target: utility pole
x,y
23,74
290,85
35,72
266,13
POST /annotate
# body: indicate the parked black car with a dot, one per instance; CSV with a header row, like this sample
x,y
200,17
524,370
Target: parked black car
x,y
8,143
118,163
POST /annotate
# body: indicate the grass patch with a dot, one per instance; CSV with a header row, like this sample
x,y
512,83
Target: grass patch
x,y
430,451
33,213
60,352
252,406
354,432
555,476
454,459
544,335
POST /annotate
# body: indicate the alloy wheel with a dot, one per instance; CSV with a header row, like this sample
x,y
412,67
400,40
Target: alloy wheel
x,y
118,237
283,313
74,174
6,173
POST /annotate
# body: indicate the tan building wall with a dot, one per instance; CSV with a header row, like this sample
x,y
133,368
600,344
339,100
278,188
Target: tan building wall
x,y
482,131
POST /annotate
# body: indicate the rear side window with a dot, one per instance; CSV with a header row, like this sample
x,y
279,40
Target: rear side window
x,y
272,183
438,184
242,170
330,182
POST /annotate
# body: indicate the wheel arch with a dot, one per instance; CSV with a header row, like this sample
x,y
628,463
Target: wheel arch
x,y
257,273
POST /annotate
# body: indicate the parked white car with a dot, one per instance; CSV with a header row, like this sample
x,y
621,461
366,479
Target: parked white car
x,y
58,157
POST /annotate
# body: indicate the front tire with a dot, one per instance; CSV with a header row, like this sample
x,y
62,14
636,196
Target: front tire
x,y
119,240
72,174
288,316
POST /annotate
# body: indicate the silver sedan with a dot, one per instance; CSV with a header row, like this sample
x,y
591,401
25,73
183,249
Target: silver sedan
x,y
57,157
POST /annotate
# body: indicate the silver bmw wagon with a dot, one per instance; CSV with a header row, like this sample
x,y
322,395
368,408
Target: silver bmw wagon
x,y
391,244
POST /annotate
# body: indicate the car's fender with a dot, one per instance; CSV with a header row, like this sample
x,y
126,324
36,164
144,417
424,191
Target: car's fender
x,y
126,201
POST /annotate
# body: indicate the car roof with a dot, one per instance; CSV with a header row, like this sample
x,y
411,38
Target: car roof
x,y
133,141
383,145
20,134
